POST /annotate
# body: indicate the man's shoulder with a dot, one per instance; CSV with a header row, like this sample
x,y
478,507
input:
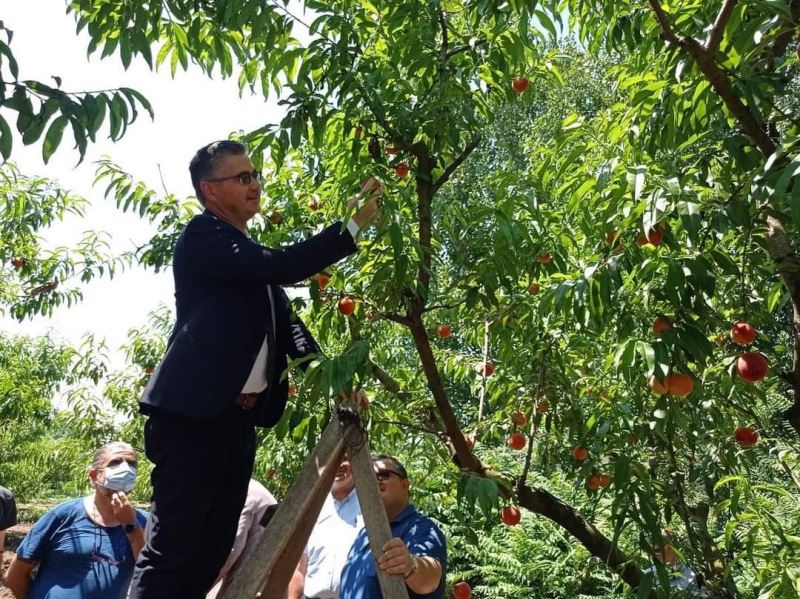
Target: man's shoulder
x,y
415,526
64,512
202,228
207,221
411,519
426,523
8,509
258,495
70,506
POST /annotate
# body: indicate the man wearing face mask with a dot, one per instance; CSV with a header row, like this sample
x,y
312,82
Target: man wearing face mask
x,y
85,548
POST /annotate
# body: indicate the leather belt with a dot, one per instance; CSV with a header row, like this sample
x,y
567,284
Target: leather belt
x,y
246,401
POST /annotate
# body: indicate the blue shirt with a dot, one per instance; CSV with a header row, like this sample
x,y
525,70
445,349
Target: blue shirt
x,y
420,534
78,559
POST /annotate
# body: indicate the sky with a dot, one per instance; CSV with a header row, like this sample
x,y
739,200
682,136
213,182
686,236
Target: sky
x,y
190,111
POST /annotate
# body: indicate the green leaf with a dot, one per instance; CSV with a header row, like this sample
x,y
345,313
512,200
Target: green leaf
x,y
624,354
648,354
777,296
675,282
546,22
53,137
638,179
6,139
789,172
12,63
132,95
694,342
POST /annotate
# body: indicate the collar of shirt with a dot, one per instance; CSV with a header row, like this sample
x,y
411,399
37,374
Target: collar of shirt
x,y
348,509
338,504
408,514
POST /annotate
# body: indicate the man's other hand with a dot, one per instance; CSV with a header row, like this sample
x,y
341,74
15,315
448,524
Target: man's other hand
x,y
122,508
395,558
372,191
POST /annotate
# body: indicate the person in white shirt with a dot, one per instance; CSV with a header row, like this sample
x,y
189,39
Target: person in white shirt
x,y
247,534
320,568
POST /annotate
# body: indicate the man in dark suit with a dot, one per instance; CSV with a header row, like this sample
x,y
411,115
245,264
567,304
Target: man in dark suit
x,y
222,372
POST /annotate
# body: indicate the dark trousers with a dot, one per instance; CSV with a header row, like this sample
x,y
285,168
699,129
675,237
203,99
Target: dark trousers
x,y
202,470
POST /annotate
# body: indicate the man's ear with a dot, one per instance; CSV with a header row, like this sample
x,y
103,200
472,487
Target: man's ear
x,y
208,189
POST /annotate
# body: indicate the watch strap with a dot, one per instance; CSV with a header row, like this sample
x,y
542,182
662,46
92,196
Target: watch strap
x,y
129,528
414,566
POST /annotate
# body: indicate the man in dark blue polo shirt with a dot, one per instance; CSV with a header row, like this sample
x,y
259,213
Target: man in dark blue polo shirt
x,y
417,551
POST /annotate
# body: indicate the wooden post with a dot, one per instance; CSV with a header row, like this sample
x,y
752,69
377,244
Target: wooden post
x,y
375,520
271,565
268,567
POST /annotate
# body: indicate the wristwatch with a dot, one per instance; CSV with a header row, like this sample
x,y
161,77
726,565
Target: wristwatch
x,y
414,566
129,528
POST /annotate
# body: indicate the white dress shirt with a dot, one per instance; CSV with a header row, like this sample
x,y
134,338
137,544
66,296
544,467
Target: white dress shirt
x,y
257,381
330,541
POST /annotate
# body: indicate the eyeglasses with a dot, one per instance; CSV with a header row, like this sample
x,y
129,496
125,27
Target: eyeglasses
x,y
384,475
244,178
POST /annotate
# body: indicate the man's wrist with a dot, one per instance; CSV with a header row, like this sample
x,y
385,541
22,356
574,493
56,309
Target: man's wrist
x,y
130,527
414,567
353,227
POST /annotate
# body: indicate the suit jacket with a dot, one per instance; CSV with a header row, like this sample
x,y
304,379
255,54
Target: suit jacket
x,y
228,297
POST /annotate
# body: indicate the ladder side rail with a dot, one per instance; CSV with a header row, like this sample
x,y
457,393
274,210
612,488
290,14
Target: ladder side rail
x,y
375,520
302,503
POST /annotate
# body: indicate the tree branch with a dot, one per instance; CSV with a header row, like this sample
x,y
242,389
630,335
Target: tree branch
x,y
534,499
779,244
786,262
425,193
377,114
435,383
445,42
408,425
459,49
542,502
441,66
539,386
451,168
719,81
444,306
663,21
388,382
718,30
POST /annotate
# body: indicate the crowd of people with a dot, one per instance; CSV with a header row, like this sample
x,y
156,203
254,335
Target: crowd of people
x,y
87,548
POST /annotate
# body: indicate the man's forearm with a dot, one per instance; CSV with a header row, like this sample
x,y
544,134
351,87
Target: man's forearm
x,y
136,539
296,584
427,577
18,580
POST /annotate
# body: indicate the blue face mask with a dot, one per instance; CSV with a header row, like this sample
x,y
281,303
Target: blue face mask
x,y
121,477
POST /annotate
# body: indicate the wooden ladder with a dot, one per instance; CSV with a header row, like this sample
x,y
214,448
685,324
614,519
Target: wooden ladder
x,y
266,572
